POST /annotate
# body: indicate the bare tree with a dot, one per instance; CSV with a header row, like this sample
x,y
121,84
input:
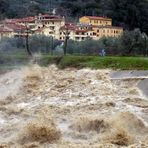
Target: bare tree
x,y
27,31
66,31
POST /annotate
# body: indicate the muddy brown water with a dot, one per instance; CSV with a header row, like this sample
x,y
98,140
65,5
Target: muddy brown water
x,y
48,107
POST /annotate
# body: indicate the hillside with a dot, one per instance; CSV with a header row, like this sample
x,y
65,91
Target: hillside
x,y
128,13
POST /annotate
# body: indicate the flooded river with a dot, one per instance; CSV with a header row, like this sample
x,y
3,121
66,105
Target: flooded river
x,y
71,108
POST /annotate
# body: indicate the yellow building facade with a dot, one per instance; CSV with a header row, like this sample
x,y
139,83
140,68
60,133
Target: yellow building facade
x,y
6,33
101,26
96,21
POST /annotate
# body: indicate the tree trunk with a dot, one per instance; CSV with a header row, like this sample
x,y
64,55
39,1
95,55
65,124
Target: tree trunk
x,y
27,46
65,45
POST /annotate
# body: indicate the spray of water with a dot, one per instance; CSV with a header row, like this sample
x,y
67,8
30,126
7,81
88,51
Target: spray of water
x,y
71,108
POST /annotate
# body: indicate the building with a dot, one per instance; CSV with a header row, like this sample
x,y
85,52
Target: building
x,y
44,24
96,21
107,31
45,31
101,26
77,32
6,33
50,24
91,27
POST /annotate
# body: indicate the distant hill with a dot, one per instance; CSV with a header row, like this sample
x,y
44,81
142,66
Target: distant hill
x,y
129,14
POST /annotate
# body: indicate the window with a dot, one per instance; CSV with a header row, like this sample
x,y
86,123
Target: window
x,y
77,38
77,33
52,28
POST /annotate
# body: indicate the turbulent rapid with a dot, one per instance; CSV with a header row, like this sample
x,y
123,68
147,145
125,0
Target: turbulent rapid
x,y
71,108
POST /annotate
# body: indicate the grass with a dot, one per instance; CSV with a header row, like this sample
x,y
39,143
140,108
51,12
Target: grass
x,y
94,62
10,61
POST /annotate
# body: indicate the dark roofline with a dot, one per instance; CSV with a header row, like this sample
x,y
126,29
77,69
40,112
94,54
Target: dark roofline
x,y
107,27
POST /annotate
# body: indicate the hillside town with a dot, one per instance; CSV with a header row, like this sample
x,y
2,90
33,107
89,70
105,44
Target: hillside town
x,y
56,26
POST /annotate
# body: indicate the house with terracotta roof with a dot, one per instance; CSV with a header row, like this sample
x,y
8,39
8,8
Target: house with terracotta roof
x,y
77,32
96,21
6,33
18,30
102,26
92,27
52,22
44,31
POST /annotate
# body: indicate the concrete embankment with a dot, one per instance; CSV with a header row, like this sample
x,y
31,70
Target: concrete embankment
x,y
142,76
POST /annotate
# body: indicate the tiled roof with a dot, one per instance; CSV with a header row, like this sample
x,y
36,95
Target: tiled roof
x,y
113,27
27,19
15,27
83,30
98,18
74,27
4,30
22,20
69,26
50,17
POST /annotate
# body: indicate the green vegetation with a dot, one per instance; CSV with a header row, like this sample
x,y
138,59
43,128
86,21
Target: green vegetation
x,y
129,14
129,43
79,54
95,62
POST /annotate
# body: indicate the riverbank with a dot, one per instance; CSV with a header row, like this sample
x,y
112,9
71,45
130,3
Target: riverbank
x,y
141,76
93,62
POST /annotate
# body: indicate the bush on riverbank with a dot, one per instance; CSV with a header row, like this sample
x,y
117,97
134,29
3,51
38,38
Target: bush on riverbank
x,y
94,62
